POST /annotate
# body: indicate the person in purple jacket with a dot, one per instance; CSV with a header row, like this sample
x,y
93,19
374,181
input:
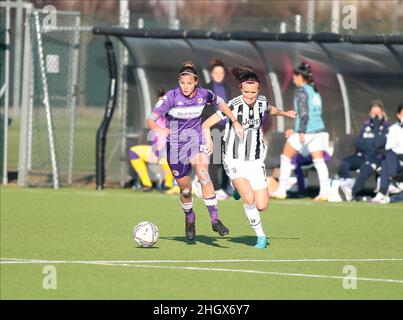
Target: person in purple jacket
x,y
182,108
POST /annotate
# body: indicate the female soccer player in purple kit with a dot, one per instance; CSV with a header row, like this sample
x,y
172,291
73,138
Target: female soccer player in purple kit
x,y
182,108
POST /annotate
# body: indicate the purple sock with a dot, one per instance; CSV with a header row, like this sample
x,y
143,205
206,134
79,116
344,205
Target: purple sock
x,y
212,207
189,213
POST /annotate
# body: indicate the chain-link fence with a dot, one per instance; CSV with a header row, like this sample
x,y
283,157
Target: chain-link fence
x,y
63,96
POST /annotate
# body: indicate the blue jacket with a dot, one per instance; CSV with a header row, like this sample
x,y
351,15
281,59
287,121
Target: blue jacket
x,y
308,105
371,140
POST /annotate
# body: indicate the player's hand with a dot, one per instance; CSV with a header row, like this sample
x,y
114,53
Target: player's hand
x,y
164,132
208,147
302,137
238,129
291,114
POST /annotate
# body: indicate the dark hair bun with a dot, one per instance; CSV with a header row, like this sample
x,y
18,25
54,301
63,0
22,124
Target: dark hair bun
x,y
188,64
245,73
188,68
304,69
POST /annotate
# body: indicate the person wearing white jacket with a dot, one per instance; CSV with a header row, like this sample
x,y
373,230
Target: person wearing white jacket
x,y
393,162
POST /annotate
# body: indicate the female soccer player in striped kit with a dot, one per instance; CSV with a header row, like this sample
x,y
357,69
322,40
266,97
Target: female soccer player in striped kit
x,y
243,158
182,108
309,131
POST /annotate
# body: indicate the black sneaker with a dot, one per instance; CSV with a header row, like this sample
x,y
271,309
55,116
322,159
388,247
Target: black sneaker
x,y
190,231
220,228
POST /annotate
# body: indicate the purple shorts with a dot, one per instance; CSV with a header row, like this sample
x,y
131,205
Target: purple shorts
x,y
179,158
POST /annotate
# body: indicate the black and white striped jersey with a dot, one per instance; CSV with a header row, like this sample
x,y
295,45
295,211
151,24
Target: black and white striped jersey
x,y
251,147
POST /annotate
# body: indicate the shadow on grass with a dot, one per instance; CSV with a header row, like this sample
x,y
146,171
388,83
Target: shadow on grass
x,y
147,248
251,240
212,241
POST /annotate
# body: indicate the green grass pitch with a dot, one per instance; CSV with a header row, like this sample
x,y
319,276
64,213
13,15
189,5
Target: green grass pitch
x,y
87,236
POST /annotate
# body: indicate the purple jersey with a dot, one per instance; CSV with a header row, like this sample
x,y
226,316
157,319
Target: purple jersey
x,y
183,114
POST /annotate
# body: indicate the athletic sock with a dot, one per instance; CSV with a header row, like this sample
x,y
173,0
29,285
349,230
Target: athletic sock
x,y
285,173
188,210
253,216
323,174
212,207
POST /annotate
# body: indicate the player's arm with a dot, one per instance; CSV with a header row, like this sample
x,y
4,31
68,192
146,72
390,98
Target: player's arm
x,y
211,121
160,109
225,109
274,111
152,124
303,111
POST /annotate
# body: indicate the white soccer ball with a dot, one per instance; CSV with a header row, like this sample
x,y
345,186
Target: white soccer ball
x,y
145,234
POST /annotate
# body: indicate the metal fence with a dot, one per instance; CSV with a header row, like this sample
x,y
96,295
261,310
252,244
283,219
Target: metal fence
x,y
62,101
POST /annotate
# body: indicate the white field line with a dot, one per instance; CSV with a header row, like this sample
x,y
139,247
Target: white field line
x,y
39,261
304,275
263,272
132,263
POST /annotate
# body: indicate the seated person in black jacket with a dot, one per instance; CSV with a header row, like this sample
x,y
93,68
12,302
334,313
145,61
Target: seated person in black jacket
x,y
370,145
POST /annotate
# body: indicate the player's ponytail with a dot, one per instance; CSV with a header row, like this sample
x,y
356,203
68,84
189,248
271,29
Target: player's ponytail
x,y
245,74
312,83
161,92
188,68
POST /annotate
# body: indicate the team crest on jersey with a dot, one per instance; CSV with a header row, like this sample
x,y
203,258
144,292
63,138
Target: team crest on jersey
x,y
175,173
200,100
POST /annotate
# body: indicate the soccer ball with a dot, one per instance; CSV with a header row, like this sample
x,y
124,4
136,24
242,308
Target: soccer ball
x,y
145,234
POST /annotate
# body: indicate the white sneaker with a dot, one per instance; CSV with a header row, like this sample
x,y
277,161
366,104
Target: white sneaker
x,y
394,189
345,192
380,198
221,195
278,195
